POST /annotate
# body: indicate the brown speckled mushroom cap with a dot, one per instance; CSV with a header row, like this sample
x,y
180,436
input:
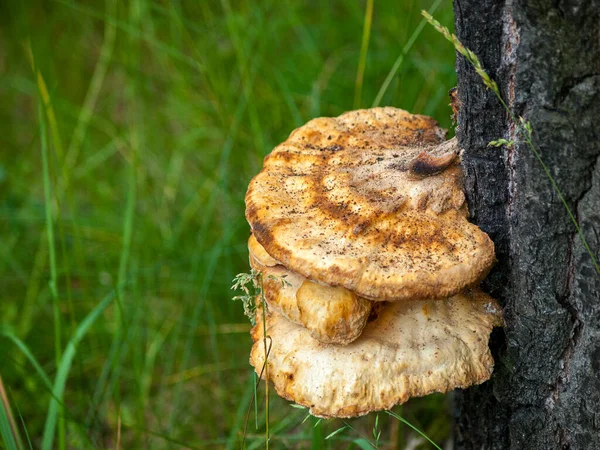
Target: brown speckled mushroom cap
x,y
372,201
414,348
332,315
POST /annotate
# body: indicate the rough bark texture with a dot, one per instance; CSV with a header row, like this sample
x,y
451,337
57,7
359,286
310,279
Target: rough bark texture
x,y
545,55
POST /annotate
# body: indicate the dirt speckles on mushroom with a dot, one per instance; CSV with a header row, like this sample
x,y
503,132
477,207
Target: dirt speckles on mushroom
x,y
382,231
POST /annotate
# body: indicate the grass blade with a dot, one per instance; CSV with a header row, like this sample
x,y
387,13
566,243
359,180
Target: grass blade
x,y
52,255
364,444
332,434
47,102
65,366
89,104
8,427
25,350
404,421
363,54
238,424
400,59
24,427
316,438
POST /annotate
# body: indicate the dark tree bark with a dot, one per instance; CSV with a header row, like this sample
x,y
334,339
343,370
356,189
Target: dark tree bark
x,y
545,56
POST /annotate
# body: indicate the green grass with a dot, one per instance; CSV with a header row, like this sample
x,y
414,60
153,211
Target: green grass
x,y
122,215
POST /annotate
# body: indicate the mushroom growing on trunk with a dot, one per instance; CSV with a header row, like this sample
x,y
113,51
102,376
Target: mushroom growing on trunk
x,y
414,348
356,211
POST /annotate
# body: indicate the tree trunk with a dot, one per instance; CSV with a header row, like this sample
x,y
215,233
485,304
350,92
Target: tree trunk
x,y
545,56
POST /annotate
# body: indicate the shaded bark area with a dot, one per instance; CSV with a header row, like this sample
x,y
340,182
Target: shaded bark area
x,y
545,56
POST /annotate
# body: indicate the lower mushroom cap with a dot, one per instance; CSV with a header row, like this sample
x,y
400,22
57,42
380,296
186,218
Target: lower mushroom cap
x,y
332,315
259,253
413,348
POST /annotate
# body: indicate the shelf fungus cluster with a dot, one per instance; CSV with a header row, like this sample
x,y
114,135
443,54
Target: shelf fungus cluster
x,y
365,219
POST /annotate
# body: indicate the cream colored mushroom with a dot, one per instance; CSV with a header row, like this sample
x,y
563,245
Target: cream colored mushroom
x,y
331,315
372,201
414,348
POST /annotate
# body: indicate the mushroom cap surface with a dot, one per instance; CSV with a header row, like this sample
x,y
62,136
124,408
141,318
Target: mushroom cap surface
x,y
414,348
340,202
331,315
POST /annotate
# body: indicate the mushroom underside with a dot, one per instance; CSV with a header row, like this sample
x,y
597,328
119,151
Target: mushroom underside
x,y
414,348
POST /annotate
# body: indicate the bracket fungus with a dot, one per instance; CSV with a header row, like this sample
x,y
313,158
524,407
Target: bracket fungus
x,y
338,203
414,348
332,315
365,219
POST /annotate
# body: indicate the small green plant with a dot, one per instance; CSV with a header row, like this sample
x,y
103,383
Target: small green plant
x,y
501,142
460,48
523,126
253,298
8,427
251,286
376,431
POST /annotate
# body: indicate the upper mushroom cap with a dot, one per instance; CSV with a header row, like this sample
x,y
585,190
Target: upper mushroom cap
x,y
332,315
413,348
371,201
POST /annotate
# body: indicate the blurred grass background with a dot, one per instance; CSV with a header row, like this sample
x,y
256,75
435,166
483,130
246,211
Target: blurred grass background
x,y
125,194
